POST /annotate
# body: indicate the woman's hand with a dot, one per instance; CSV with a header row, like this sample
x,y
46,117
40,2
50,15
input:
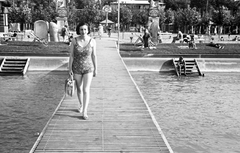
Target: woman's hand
x,y
70,72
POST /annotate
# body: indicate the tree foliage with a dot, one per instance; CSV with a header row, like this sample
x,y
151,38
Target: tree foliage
x,y
162,16
169,16
125,16
107,2
41,10
176,4
17,15
140,17
187,18
184,13
222,17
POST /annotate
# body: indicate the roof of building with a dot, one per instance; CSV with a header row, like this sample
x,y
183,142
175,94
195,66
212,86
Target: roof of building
x,y
108,21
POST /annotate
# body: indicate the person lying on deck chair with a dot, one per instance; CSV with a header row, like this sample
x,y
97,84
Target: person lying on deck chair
x,y
181,65
216,45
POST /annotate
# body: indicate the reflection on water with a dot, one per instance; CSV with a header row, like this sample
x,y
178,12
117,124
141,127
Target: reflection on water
x,y
26,104
196,114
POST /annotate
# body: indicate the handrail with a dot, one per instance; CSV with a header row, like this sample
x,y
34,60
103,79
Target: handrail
x,y
26,66
175,67
199,71
2,63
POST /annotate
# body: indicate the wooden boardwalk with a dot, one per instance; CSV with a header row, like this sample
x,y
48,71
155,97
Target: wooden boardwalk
x,y
119,119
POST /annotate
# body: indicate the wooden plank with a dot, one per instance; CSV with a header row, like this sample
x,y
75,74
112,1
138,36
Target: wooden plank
x,y
119,119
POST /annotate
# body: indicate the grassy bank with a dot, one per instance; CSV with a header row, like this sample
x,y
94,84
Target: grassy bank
x,y
61,48
181,49
31,48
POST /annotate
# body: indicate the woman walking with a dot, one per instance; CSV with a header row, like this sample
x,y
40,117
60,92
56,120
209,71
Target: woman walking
x,y
83,65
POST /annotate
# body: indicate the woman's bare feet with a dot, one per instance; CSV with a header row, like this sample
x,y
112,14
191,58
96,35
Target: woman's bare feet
x,y
80,109
85,116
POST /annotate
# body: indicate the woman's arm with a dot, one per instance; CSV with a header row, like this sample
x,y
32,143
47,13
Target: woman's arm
x,y
71,56
94,58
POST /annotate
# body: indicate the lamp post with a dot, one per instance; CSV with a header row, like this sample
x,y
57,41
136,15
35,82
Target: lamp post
x,y
123,4
118,24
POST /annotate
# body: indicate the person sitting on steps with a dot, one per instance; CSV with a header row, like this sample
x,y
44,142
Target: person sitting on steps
x,y
181,65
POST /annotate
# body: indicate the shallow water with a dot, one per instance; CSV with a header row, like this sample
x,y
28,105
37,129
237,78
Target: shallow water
x,y
26,104
196,114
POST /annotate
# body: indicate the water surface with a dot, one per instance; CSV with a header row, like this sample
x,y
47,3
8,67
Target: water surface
x,y
26,104
196,114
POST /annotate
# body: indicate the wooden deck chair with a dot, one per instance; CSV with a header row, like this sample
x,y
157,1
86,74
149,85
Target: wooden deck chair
x,y
43,40
139,40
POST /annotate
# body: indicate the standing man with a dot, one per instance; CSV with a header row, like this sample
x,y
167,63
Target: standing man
x,y
109,30
146,38
100,31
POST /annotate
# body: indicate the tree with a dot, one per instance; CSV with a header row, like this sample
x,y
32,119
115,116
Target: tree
x,y
236,22
88,13
162,17
82,4
169,16
201,5
222,17
107,2
176,4
16,15
44,12
216,4
125,16
140,17
187,18
41,10
204,23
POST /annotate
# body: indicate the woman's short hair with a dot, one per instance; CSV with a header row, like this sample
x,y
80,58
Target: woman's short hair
x,y
82,24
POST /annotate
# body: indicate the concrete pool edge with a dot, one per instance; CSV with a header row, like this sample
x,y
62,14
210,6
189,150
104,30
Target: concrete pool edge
x,y
44,63
149,55
165,64
56,63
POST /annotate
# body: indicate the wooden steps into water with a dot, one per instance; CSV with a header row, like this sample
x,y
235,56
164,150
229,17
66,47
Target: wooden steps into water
x,y
192,68
14,66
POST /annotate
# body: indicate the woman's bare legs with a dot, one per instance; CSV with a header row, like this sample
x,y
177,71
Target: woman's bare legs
x,y
79,80
87,79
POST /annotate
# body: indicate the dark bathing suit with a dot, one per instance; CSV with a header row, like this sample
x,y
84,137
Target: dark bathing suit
x,y
82,59
180,64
